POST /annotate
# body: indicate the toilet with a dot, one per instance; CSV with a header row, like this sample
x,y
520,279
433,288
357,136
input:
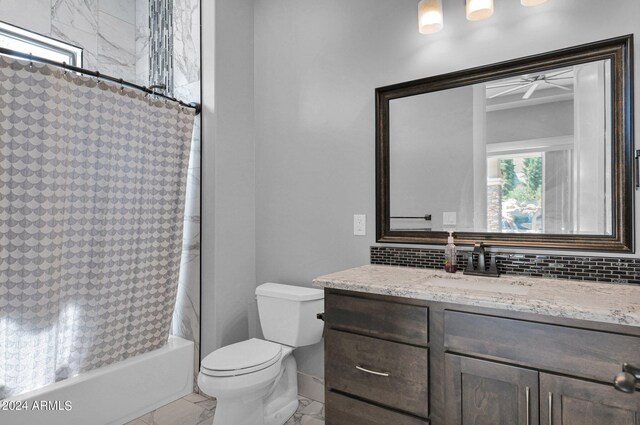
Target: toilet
x,y
255,381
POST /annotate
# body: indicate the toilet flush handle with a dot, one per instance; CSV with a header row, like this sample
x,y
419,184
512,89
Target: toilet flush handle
x,y
320,316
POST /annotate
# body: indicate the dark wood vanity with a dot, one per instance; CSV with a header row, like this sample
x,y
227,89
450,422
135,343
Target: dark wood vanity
x,y
404,361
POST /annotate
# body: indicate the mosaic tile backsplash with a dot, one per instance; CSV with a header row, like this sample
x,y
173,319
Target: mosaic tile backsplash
x,y
599,269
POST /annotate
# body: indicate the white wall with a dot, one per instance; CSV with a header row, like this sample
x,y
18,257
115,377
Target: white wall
x,y
228,176
316,66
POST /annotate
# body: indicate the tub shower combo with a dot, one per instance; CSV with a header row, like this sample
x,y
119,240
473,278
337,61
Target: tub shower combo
x,y
92,192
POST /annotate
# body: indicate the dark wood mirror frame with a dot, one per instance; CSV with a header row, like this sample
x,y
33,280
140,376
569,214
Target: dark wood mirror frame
x,y
620,52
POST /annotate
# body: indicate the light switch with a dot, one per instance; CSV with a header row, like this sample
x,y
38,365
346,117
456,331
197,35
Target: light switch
x,y
359,225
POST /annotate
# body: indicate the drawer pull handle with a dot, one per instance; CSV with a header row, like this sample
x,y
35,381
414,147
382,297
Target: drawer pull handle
x,y
373,372
550,408
528,393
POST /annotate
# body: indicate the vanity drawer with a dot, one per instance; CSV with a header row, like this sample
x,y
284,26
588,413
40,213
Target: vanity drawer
x,y
343,410
385,372
580,352
382,319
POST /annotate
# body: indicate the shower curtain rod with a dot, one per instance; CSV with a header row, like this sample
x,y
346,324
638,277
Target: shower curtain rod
x,y
64,65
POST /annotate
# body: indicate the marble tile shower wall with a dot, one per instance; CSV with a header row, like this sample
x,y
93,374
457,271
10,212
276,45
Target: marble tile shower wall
x,y
142,42
186,83
105,29
186,317
599,269
186,47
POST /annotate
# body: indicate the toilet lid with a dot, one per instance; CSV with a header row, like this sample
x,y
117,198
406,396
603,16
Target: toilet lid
x,y
242,358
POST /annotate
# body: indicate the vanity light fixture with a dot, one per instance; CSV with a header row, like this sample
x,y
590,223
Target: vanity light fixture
x,y
478,10
430,16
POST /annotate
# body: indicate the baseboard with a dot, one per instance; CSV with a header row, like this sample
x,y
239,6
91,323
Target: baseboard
x,y
310,386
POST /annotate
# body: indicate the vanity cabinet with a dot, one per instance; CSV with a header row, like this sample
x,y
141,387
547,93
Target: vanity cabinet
x,y
376,361
402,361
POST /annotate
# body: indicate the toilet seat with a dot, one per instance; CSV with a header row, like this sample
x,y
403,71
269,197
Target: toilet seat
x,y
241,358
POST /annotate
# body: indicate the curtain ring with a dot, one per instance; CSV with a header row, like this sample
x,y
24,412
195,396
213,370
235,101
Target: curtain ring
x,y
30,60
64,66
121,84
97,76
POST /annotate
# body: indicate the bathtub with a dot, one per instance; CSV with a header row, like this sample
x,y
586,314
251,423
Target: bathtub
x,y
111,395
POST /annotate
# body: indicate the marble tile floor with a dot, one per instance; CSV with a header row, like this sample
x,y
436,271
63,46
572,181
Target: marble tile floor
x,y
196,409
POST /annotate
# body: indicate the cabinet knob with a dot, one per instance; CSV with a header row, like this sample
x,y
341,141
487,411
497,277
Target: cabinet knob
x,y
626,380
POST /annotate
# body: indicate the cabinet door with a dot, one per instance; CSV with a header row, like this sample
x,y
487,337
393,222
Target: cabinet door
x,y
480,392
568,401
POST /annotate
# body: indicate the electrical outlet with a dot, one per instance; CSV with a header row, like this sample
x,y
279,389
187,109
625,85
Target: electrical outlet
x,y
359,225
449,219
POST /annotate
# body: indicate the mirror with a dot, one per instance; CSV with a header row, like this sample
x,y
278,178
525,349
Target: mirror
x,y
533,152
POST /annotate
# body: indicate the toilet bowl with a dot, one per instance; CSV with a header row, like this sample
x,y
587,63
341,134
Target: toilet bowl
x,y
255,381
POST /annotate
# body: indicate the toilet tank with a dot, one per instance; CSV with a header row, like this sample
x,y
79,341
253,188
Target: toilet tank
x,y
288,313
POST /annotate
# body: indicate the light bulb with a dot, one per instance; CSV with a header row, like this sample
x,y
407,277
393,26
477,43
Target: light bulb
x,y
479,9
430,16
531,2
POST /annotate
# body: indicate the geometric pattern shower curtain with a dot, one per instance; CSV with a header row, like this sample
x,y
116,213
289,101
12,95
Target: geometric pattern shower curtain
x,y
92,188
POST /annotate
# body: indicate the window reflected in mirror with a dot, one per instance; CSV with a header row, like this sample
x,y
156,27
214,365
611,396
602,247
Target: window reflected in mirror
x,y
514,193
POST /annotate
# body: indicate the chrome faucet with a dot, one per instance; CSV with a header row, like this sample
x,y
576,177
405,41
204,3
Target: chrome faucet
x,y
481,268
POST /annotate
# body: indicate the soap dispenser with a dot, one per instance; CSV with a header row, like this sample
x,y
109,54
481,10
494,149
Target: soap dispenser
x,y
450,260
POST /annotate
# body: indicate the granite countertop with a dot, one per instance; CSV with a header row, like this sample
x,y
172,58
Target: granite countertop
x,y
601,302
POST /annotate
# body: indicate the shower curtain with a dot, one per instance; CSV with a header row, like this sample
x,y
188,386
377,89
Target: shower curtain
x,y
92,187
